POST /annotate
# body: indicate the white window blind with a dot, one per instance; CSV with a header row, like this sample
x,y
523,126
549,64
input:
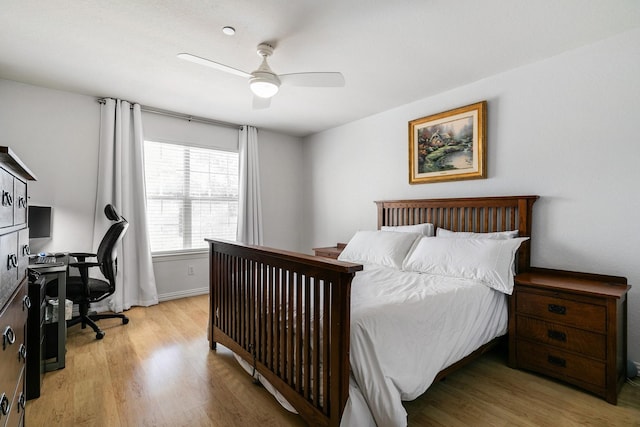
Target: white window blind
x,y
192,193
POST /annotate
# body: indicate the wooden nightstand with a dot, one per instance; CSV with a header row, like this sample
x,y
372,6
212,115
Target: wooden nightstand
x,y
330,252
571,326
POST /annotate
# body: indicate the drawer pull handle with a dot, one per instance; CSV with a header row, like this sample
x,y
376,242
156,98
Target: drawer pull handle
x,y
558,361
26,303
12,261
22,202
557,309
8,337
22,402
5,405
22,353
7,199
26,250
557,335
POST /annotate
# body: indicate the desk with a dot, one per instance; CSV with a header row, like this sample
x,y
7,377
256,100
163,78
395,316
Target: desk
x,y
61,272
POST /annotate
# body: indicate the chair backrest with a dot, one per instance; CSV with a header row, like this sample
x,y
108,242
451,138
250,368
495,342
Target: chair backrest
x,y
107,254
111,213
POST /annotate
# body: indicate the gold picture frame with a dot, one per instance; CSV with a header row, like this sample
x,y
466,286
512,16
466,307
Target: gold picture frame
x,y
449,146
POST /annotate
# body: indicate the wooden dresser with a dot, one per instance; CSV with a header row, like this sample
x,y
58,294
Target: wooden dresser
x,y
14,301
571,326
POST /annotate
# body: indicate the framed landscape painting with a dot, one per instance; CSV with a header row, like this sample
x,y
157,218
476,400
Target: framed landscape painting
x,y
448,146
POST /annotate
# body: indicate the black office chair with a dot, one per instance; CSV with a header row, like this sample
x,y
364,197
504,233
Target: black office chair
x,y
84,290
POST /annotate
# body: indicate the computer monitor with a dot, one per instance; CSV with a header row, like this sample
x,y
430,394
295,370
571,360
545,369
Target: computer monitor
x,y
39,222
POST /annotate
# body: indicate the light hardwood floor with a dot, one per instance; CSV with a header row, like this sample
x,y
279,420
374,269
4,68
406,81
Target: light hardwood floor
x,y
159,371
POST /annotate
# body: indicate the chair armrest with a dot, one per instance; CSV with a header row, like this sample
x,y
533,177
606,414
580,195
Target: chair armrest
x,y
82,254
84,264
83,268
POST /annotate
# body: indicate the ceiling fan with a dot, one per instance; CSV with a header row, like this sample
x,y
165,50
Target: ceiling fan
x,y
264,83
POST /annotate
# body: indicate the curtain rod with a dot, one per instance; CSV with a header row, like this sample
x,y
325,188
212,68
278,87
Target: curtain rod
x,y
187,117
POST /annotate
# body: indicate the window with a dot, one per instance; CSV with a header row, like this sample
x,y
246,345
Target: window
x,y
192,193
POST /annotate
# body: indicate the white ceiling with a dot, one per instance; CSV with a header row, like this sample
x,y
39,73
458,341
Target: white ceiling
x,y
390,52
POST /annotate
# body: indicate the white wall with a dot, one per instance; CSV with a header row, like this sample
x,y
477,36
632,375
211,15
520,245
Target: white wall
x,y
56,134
564,128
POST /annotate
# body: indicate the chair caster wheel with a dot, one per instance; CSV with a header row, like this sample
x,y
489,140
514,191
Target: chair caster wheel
x,y
125,320
99,335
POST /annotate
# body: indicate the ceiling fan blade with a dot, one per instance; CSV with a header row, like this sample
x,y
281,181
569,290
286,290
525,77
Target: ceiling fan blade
x,y
313,79
209,63
261,103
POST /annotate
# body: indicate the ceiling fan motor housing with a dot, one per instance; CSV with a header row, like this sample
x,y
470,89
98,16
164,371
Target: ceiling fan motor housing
x,y
265,50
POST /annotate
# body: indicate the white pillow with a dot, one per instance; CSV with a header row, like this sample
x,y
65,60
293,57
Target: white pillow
x,y
496,235
387,248
442,232
425,229
487,260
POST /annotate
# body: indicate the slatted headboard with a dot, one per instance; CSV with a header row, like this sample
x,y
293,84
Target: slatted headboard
x,y
477,214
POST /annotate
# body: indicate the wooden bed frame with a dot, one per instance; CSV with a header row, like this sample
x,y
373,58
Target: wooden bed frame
x,y
288,314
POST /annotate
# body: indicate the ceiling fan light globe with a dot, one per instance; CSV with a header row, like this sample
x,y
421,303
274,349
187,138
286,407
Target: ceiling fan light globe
x,y
264,85
264,89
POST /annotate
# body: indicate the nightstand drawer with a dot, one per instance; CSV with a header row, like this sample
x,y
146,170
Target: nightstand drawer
x,y
567,338
591,317
560,364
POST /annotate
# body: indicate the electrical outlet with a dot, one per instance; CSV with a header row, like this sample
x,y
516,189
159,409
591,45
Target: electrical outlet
x,y
190,270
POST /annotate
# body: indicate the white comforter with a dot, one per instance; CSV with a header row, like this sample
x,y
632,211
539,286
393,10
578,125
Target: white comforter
x,y
407,327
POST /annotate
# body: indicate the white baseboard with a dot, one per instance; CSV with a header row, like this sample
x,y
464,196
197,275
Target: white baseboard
x,y
182,294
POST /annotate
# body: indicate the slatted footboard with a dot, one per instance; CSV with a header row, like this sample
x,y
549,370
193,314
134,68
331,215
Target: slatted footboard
x,y
288,316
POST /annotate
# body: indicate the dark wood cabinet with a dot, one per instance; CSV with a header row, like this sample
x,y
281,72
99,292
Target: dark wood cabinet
x,y
571,326
14,301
